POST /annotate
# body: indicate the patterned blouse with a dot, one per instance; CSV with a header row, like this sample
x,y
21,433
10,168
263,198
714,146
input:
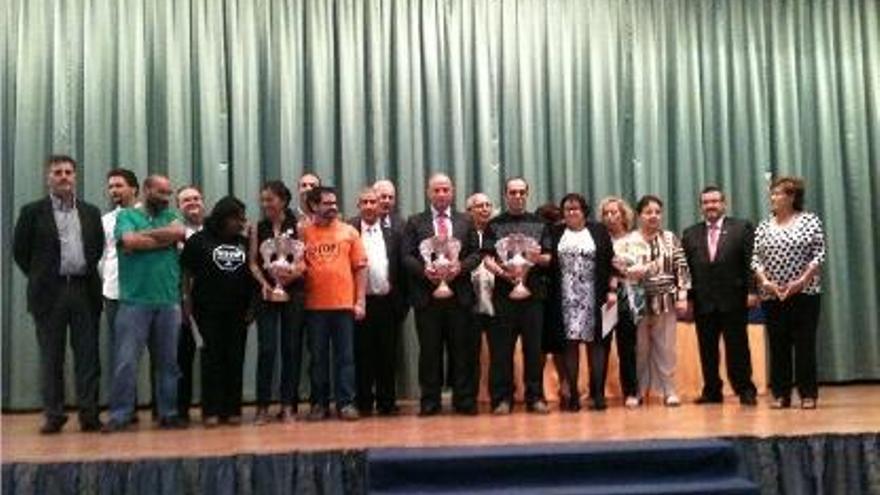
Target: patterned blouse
x,y
784,252
668,272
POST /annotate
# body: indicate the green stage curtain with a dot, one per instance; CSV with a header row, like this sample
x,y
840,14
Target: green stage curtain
x,y
597,96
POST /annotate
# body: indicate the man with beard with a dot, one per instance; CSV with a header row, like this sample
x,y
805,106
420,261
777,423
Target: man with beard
x,y
336,282
57,244
149,309
122,189
719,253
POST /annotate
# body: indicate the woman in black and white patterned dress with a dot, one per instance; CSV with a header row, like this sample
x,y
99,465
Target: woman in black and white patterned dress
x,y
788,255
581,265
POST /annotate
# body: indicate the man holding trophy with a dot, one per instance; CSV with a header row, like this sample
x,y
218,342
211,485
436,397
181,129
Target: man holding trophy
x,y
516,241
439,253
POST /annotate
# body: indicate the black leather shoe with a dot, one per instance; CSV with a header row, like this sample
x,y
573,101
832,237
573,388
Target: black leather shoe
x,y
53,426
598,405
387,410
467,410
748,400
429,410
709,399
90,425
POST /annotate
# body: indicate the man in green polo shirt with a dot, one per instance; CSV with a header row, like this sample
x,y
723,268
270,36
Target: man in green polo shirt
x,y
149,297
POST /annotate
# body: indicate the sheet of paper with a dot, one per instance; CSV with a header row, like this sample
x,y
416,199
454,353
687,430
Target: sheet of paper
x,y
609,319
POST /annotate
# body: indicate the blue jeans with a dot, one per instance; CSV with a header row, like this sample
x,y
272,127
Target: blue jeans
x,y
337,327
135,326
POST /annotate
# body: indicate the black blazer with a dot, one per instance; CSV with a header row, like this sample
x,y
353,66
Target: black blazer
x,y
722,284
395,275
420,227
601,278
37,252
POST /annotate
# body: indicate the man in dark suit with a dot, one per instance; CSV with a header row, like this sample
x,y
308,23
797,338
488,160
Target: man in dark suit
x,y
435,315
387,195
377,336
719,251
58,243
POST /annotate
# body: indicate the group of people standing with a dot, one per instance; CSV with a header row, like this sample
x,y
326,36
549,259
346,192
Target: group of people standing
x,y
174,280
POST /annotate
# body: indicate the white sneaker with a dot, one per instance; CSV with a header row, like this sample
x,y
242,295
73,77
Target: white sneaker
x,y
632,402
672,400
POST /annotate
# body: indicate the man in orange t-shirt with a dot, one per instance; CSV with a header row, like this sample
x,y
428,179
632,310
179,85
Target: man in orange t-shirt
x,y
335,296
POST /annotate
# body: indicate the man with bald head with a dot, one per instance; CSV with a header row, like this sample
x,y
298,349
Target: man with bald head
x,y
307,181
149,302
438,316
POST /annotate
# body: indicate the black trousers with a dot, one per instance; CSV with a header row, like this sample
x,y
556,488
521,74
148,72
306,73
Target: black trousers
x,y
625,336
731,325
516,319
480,323
597,363
431,322
72,309
376,339
186,354
280,332
225,335
791,327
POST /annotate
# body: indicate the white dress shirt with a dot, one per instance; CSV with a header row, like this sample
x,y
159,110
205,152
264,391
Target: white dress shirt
x,y
377,259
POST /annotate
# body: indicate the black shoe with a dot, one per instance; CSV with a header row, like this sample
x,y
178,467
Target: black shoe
x,y
172,423
598,405
114,427
571,405
53,426
90,425
467,410
391,410
748,400
429,410
709,399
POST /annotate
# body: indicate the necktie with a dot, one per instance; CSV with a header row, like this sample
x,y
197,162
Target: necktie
x,y
442,227
713,241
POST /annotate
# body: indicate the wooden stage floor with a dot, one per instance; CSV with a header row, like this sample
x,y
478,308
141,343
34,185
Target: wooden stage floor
x,y
842,409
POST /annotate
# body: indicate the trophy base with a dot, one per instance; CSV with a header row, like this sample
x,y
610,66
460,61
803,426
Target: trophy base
x,y
443,292
520,292
278,295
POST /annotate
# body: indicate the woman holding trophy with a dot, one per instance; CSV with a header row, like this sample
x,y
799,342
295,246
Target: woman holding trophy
x,y
276,262
581,259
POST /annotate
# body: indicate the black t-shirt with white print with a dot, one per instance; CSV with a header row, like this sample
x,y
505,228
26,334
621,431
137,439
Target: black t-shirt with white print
x,y
222,280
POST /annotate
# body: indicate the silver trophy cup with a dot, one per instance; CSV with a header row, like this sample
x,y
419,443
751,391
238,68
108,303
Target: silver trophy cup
x,y
513,251
440,253
279,254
